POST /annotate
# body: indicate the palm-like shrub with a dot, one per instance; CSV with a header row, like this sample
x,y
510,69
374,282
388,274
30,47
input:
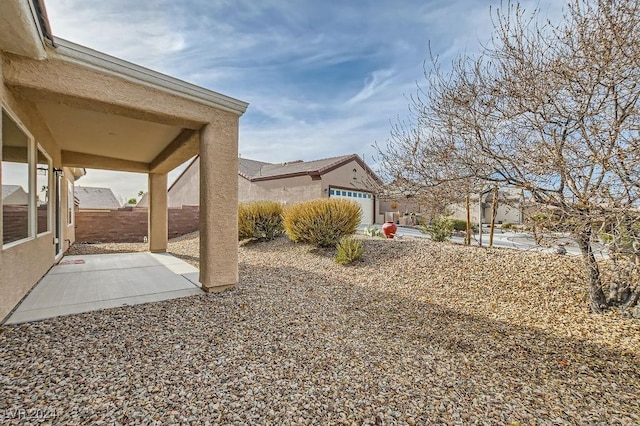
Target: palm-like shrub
x,y
260,220
322,222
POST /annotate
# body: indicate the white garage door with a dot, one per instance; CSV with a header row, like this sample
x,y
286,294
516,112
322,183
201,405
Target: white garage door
x,y
364,199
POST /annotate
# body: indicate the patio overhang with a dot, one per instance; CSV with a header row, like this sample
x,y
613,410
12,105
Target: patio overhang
x,y
110,114
106,113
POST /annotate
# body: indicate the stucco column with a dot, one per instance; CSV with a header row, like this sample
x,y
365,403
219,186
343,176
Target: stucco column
x,y
219,203
158,215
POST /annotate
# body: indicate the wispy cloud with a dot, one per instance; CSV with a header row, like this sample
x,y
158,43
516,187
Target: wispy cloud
x,y
376,82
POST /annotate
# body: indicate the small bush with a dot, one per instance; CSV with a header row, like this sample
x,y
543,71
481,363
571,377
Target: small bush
x,y
439,229
321,222
349,250
461,225
373,231
261,220
507,225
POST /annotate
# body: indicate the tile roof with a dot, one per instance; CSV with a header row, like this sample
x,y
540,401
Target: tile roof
x,y
254,170
257,170
96,198
9,189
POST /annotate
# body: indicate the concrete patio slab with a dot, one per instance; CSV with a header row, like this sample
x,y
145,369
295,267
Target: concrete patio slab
x,y
92,282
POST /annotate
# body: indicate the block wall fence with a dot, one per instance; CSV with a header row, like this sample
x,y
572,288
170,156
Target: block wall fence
x,y
130,224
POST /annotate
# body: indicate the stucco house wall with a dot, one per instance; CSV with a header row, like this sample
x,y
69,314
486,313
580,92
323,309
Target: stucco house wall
x,y
345,177
86,109
285,190
16,279
186,190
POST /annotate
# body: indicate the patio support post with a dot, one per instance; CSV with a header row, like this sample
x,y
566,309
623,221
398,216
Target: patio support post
x,y
158,216
219,203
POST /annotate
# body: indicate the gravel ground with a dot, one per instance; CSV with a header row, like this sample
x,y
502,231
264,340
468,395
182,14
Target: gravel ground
x,y
416,333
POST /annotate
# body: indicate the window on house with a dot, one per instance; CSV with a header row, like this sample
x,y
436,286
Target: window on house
x,y
16,184
43,202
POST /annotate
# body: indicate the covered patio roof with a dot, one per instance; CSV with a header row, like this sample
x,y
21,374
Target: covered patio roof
x,y
111,114
105,113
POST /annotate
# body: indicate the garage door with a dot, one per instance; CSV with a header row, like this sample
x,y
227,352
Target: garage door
x,y
364,200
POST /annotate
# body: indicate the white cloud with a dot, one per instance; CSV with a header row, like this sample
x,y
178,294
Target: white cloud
x,y
378,80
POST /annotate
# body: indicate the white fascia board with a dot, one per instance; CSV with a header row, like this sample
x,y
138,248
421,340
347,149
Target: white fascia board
x,y
101,62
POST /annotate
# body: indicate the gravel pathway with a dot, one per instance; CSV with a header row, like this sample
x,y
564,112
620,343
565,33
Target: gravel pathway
x,y
416,333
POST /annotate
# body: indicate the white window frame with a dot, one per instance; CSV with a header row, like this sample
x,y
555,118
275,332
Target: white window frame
x,y
32,159
49,183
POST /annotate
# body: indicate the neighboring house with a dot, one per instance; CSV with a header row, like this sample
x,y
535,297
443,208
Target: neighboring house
x,y
92,198
65,108
510,207
347,176
14,195
405,208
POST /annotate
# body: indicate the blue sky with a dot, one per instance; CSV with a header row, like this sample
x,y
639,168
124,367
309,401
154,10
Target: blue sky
x,y
322,78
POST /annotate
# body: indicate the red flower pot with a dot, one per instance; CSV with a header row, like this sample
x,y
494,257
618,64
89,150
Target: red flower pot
x,y
389,229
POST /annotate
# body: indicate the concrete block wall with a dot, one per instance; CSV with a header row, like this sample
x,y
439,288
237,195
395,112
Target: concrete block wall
x,y
130,224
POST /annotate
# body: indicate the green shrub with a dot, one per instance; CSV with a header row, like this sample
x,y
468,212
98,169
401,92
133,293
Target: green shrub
x,y
261,220
459,224
373,231
349,250
507,225
322,222
439,229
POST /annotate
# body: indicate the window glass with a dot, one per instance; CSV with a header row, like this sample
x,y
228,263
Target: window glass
x,y
15,182
42,191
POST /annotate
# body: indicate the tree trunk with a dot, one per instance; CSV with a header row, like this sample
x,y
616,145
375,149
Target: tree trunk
x,y
494,208
597,300
480,218
467,237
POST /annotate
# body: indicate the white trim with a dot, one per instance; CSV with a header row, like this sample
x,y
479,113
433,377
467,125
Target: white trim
x,y
97,61
31,211
49,181
36,20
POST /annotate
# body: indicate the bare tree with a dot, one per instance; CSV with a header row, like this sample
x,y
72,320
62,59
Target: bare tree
x,y
553,108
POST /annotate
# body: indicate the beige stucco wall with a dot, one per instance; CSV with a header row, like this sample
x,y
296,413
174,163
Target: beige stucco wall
x,y
504,213
186,190
219,203
286,190
343,177
22,265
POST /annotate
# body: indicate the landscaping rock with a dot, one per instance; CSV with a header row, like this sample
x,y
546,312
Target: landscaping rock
x,y
416,333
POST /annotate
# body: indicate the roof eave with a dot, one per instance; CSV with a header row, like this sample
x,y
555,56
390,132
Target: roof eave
x,y
88,58
283,176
